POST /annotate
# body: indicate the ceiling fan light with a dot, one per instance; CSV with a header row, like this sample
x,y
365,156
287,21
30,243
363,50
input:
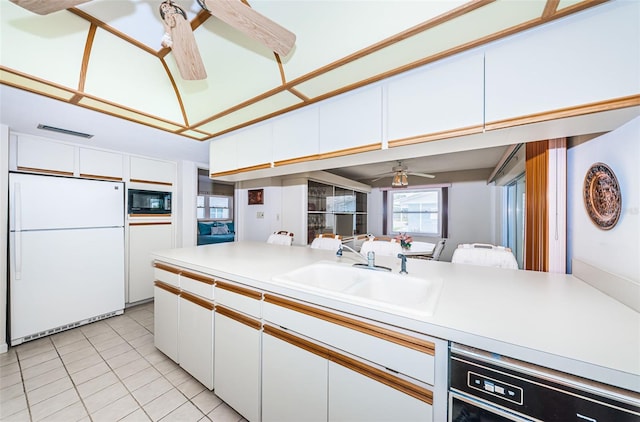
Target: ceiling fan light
x,y
400,180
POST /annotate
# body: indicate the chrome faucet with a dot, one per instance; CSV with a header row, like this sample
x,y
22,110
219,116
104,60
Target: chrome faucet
x,y
370,258
403,268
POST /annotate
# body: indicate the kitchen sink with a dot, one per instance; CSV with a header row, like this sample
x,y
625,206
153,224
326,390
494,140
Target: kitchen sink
x,y
410,296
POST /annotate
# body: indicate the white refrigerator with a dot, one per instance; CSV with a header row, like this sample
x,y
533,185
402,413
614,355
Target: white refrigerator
x,y
66,252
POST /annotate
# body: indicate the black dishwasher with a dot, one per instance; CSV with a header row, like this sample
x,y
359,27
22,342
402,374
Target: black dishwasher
x,y
484,387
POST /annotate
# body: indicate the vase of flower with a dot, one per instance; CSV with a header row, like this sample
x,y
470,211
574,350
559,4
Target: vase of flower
x,y
405,240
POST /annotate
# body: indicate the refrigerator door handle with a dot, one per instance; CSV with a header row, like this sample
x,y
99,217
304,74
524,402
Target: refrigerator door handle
x,y
17,214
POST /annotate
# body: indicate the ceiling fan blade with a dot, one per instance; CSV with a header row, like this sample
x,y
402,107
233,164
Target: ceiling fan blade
x,y
429,176
253,24
182,42
381,176
44,7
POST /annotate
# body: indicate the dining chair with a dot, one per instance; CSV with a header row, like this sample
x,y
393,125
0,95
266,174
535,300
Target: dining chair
x,y
327,241
485,255
281,237
437,250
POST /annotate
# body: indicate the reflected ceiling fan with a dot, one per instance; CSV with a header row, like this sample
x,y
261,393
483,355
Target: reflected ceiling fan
x,y
400,175
179,36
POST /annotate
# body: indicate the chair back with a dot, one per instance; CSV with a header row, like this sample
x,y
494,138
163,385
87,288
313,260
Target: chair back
x,y
484,255
281,237
437,250
381,247
326,241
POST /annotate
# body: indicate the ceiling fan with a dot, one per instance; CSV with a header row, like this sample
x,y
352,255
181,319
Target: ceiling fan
x,y
400,175
179,36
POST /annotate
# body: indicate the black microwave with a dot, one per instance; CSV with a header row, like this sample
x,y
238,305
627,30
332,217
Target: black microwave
x,y
149,202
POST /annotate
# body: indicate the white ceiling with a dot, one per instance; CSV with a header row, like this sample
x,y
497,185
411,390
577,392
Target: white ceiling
x,y
130,96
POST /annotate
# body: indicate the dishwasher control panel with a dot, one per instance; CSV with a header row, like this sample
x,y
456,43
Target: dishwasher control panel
x,y
494,387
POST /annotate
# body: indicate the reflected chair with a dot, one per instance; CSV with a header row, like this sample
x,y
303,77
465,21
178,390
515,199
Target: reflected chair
x,y
484,255
281,237
327,241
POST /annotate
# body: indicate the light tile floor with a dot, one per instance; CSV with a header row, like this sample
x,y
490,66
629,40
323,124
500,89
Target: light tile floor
x,y
105,371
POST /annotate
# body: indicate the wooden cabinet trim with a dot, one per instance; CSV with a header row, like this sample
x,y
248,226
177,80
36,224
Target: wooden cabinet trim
x,y
405,340
253,294
600,106
167,287
294,340
243,319
404,386
436,136
165,267
149,223
198,277
39,170
197,300
153,182
100,177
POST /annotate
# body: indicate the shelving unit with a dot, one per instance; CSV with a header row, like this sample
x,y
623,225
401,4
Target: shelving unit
x,y
335,209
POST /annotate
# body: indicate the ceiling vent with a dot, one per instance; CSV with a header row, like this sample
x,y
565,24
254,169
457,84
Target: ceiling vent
x,y
65,131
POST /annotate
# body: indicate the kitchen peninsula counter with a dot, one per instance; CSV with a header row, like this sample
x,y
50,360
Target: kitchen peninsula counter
x,y
552,320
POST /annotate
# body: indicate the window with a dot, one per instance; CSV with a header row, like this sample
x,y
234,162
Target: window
x,y
214,207
418,211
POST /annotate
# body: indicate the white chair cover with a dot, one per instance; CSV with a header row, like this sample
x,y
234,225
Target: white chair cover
x,y
381,247
280,239
326,243
484,255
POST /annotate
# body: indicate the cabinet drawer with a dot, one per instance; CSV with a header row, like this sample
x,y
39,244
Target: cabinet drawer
x,y
239,298
407,354
198,284
166,274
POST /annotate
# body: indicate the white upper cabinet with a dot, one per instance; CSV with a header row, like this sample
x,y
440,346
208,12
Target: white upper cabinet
x,y
98,164
146,170
588,59
33,154
255,146
445,96
296,134
351,121
223,154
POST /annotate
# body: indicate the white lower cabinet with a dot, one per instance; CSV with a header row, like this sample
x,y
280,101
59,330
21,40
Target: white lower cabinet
x,y
165,323
195,337
275,359
237,361
357,397
144,238
294,380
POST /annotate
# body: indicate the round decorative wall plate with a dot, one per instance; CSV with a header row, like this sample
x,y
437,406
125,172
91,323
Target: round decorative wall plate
x,y
602,196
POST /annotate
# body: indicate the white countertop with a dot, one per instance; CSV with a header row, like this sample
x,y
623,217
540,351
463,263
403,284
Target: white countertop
x,y
553,320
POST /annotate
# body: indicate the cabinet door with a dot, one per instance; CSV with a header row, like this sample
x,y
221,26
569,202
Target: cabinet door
x,y
223,154
45,156
441,97
146,170
195,338
96,164
165,323
144,238
237,362
294,381
356,397
560,66
351,121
